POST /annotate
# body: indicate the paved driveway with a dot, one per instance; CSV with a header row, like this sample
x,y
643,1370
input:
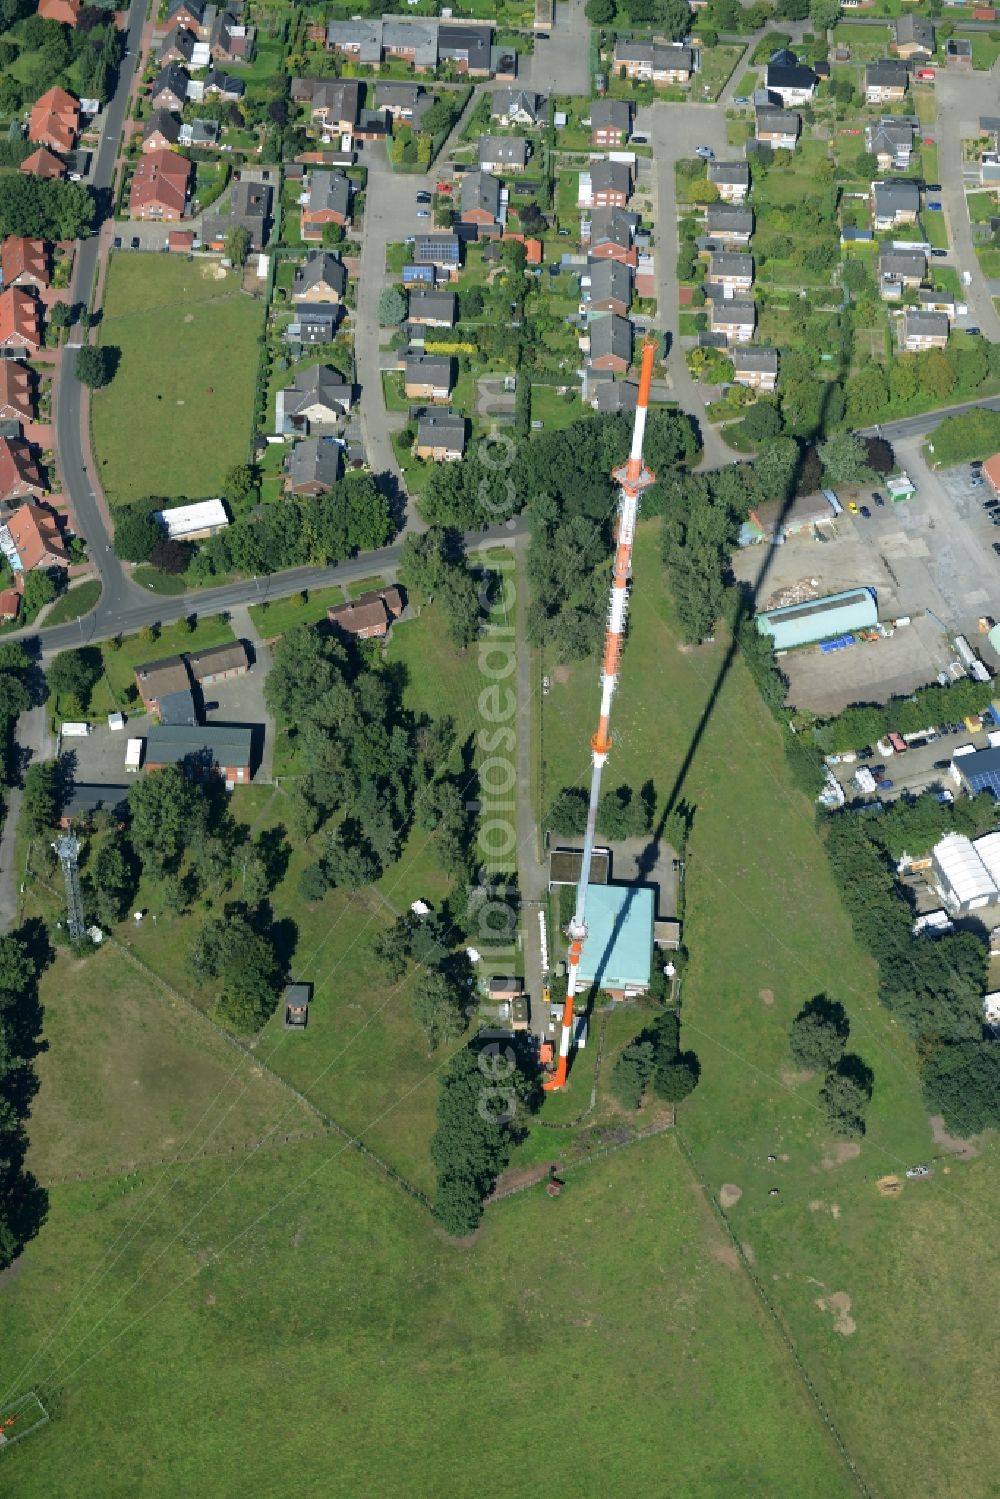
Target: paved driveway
x,y
961,99
561,65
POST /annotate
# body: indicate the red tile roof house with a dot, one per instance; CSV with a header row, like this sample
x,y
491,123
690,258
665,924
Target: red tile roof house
x,y
20,476
55,120
328,202
66,12
370,615
991,472
42,163
20,320
34,531
159,186
611,234
10,603
17,401
24,262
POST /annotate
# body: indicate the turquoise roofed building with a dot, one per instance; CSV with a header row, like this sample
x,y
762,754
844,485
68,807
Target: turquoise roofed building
x,y
618,949
820,619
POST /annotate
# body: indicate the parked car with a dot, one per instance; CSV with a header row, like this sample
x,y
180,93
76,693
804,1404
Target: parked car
x,y
884,785
942,764
996,547
705,152
134,242
640,140
936,207
423,197
932,187
878,498
741,99
976,483
897,741
877,770
939,254
866,512
852,506
422,213
973,331
976,465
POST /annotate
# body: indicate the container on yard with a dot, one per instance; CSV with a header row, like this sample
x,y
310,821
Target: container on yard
x,y
76,730
133,755
973,722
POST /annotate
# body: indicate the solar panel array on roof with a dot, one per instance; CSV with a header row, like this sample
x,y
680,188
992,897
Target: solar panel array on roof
x,y
981,771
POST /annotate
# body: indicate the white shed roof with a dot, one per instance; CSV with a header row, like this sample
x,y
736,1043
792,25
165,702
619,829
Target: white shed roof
x,y
963,869
988,849
184,519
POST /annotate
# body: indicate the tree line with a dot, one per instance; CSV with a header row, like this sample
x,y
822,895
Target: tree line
x,y
23,1202
654,1060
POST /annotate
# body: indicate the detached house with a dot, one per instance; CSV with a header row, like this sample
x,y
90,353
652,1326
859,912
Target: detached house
x,y
313,466
890,142
43,163
515,106
468,48
914,38
55,120
733,273
731,223
924,330
610,122
777,128
64,12
328,201
323,278
611,234
610,288
938,301
757,369
179,46
732,178
610,343
654,62
608,184
793,84
161,133
443,250
503,153
20,321
427,378
20,476
894,203
219,85
35,538
480,200
900,270
334,103
432,309
24,262
370,616
735,320
886,82
440,437
170,89
318,399
17,401
159,186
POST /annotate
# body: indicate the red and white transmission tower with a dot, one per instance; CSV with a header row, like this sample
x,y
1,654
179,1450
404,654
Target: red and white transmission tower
x,y
632,479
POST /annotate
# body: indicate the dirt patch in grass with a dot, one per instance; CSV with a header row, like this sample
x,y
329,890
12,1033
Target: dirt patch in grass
x,y
726,1255
964,1149
766,996
889,1185
794,1079
748,1253
730,1195
847,1150
840,1304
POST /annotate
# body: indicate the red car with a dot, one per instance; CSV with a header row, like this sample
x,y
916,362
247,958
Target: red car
x,y
442,187
925,74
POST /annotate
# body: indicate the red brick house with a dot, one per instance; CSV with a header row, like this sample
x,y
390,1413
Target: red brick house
x,y
55,120
43,163
17,402
34,531
159,186
20,476
370,615
24,262
20,320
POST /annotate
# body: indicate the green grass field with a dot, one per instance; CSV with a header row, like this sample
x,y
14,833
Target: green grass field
x,y
766,931
74,603
177,415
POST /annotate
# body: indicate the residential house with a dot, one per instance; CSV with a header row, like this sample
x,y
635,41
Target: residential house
x,y
610,342
894,203
729,223
989,169
608,184
914,38
427,377
792,84
314,323
219,663
732,178
17,397
938,301
250,205
440,436
613,397
516,106
413,42
162,131
432,309
20,321
756,368
334,103
232,40
187,13
777,128
178,46
958,51
159,186
43,163
735,320
733,273
64,12
502,153
900,270
55,120
313,466
924,330
170,89
886,82
890,142
480,200
202,752
611,235
654,62
10,605
180,241
219,85
328,201
468,48
318,399
442,250
20,476
157,680
35,539
610,287
610,122
323,278
193,522
359,40
406,102
24,262
369,616
202,134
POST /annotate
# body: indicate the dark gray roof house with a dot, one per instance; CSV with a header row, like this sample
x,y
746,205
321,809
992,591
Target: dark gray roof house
x,y
888,73
432,307
469,46
425,369
891,199
199,133
249,207
610,177
612,396
729,173
313,323
437,249
194,8
915,32
754,361
322,275
162,122
361,39
611,114
178,708
503,151
210,747
781,79
170,87
480,195
728,221
610,280
318,397
179,41
903,264
313,465
223,85
84,800
442,429
730,267
518,106
610,335
330,191
613,226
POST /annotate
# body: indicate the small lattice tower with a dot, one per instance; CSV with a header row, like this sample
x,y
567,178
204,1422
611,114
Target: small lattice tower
x,y
68,852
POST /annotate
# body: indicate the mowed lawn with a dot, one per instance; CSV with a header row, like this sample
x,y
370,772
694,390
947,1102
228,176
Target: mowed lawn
x,y
177,414
294,1319
904,1356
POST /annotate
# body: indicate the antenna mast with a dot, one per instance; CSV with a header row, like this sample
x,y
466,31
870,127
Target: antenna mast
x,y
632,479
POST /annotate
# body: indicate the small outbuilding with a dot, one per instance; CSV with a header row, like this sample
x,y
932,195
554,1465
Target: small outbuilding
x,y
296,1002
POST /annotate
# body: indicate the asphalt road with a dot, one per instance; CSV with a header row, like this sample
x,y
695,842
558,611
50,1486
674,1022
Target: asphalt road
x,y
918,426
961,99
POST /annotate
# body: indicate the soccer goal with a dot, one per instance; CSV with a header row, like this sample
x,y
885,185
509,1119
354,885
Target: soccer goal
x,y
19,1419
